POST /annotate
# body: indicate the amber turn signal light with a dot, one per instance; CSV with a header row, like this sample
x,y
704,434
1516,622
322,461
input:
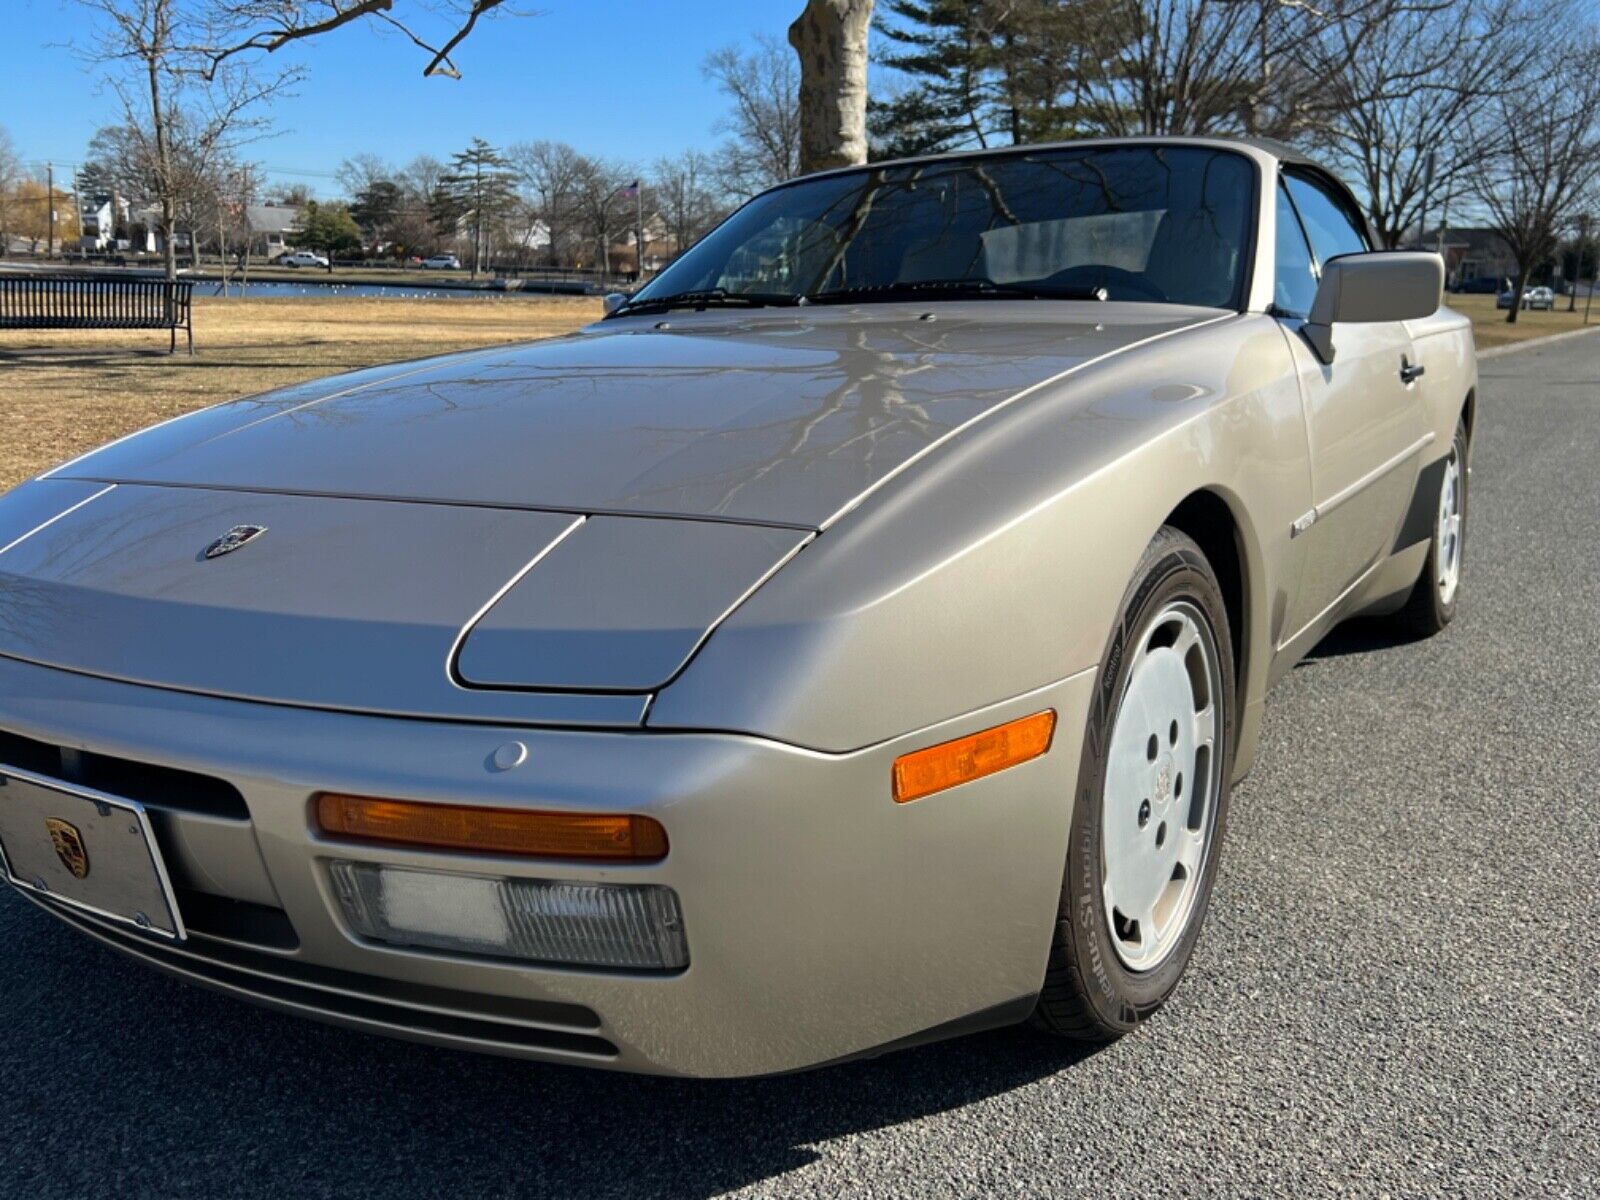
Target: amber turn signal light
x,y
587,836
924,772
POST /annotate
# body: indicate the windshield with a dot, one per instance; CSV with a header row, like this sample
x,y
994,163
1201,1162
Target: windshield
x,y
1142,222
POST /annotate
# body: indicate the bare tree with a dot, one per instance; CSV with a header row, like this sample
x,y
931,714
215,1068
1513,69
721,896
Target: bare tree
x,y
599,207
763,126
290,195
1397,103
359,172
683,193
550,175
242,27
1539,157
141,42
414,229
169,53
830,39
235,232
420,177
10,177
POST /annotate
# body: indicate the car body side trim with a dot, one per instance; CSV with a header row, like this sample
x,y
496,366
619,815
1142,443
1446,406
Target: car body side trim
x,y
1349,491
1333,604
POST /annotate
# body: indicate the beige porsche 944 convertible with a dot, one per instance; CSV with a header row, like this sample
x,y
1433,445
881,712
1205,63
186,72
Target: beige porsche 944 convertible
x,y
849,640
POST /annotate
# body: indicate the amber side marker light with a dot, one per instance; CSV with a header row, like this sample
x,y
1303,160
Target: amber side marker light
x,y
924,772
587,836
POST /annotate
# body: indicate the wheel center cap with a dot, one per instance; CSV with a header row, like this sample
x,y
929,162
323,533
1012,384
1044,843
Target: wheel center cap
x,y
1166,771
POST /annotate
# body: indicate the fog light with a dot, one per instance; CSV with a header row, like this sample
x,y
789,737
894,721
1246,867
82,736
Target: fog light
x,y
635,926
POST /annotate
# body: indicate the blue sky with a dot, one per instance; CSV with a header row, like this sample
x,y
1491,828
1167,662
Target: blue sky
x,y
618,77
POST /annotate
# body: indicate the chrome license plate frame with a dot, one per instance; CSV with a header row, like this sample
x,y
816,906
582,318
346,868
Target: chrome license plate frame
x,y
48,824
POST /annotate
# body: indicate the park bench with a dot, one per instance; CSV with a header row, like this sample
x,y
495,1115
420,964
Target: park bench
x,y
97,302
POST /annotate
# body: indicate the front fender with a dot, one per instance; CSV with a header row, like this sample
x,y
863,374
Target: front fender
x,y
996,566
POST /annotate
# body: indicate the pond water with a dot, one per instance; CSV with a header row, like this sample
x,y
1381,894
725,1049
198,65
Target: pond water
x,y
272,287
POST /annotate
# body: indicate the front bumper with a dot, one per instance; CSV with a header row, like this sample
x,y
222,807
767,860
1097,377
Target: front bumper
x,y
823,920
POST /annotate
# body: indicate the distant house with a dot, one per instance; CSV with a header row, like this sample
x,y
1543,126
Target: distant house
x,y
270,226
1473,254
529,238
97,221
660,247
144,229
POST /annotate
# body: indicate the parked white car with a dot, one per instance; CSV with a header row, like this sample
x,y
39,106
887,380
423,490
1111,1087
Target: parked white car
x,y
442,262
1538,297
302,258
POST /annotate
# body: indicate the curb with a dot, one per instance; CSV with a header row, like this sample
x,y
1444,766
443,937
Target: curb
x,y
1532,343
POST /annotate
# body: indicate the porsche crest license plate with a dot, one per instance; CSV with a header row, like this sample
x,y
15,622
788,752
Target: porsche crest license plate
x,y
85,849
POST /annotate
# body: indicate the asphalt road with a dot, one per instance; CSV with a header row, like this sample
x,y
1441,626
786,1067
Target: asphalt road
x,y
1395,994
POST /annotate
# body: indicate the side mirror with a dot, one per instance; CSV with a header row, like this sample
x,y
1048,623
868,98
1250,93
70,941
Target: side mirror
x,y
1361,289
612,302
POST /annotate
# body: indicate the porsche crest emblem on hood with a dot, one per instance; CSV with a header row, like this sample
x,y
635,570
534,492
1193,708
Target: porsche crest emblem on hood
x,y
64,836
236,538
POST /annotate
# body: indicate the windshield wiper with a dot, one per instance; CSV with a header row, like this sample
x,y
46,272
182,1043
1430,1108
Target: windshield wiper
x,y
706,298
963,289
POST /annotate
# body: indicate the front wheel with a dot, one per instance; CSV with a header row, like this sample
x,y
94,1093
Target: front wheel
x,y
1151,803
1432,604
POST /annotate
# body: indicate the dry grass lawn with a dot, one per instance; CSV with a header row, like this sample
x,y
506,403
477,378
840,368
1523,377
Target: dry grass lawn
x,y
62,393
1489,326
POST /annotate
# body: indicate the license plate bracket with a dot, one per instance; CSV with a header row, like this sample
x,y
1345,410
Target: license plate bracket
x,y
86,849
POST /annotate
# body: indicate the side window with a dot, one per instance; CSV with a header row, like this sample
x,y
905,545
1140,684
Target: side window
x,y
1294,285
1332,228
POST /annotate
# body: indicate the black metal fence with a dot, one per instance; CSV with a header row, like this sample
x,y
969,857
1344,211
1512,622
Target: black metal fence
x,y
96,302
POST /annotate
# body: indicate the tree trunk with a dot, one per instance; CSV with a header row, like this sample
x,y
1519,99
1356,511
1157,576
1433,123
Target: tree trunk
x,y
830,38
158,122
1517,288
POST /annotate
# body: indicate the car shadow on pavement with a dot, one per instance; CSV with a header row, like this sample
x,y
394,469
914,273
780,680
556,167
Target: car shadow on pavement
x,y
161,1088
1363,635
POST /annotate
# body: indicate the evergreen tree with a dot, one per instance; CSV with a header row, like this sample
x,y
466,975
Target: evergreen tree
x,y
376,207
981,73
479,189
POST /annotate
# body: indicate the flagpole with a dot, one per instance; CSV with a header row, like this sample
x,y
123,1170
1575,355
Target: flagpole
x,y
638,229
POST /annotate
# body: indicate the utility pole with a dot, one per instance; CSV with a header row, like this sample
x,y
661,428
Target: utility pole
x,y
1427,195
1577,263
49,210
77,209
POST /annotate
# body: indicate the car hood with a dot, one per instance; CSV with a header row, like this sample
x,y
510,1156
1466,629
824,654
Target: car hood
x,y
431,610
783,417
543,534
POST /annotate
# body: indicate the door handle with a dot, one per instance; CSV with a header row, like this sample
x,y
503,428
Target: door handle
x,y
1408,373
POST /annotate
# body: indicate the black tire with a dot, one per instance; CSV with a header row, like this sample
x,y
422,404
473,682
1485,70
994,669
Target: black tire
x,y
1088,993
1427,611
